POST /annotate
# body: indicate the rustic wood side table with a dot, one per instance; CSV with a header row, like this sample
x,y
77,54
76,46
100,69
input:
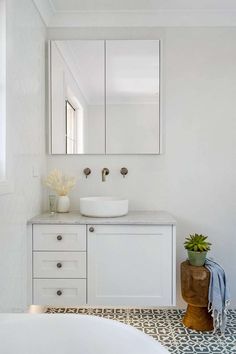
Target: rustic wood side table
x,y
194,285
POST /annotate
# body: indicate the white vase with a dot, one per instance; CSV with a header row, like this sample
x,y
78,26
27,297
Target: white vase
x,y
63,204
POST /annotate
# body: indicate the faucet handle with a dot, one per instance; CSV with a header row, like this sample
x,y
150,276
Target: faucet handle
x,y
87,172
124,171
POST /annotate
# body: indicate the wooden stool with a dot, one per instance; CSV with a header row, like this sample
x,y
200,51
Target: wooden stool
x,y
194,285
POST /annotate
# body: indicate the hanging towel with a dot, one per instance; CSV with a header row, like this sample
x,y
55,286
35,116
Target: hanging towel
x,y
218,295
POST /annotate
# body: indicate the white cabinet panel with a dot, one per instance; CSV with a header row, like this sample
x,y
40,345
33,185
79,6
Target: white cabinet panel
x,y
130,265
59,237
59,292
59,264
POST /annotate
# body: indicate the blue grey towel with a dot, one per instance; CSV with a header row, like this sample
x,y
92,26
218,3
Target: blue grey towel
x,y
218,295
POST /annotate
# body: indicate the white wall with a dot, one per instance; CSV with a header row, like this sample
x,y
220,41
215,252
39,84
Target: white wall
x,y
26,145
195,177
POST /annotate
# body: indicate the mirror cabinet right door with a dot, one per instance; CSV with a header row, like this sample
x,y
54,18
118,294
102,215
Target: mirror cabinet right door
x,y
132,96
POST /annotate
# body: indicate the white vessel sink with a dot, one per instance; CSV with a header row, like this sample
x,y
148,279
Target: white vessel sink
x,y
103,207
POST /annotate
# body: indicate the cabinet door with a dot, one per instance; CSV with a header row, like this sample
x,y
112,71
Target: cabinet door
x,y
77,97
130,265
132,97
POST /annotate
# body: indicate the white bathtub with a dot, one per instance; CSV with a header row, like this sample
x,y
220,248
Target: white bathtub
x,y
71,334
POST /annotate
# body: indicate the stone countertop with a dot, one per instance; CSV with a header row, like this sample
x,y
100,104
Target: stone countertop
x,y
132,218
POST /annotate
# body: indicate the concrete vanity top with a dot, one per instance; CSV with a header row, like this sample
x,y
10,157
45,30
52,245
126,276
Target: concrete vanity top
x,y
133,217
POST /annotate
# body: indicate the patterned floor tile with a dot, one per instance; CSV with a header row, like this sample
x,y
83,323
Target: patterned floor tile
x,y
166,327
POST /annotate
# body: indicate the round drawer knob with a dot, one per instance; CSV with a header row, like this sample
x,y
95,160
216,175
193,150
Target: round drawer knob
x,y
59,292
59,265
91,229
59,237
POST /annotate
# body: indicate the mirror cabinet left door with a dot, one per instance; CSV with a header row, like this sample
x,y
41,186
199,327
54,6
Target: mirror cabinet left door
x,y
77,90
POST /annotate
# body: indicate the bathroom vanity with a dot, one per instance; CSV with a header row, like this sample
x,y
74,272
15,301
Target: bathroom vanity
x,y
124,261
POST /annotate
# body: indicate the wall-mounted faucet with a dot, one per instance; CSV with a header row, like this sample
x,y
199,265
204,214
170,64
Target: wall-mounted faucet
x,y
105,172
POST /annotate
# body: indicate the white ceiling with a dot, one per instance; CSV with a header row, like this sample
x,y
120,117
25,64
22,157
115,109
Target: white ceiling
x,y
141,5
148,13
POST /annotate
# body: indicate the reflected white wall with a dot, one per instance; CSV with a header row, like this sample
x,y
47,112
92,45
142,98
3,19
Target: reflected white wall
x,y
132,128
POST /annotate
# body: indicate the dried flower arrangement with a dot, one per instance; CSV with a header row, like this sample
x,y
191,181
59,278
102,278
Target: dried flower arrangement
x,y
60,184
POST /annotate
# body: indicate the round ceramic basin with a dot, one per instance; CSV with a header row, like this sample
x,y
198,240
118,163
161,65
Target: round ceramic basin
x,y
103,207
72,334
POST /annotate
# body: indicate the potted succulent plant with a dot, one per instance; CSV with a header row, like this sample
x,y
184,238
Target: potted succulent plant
x,y
197,247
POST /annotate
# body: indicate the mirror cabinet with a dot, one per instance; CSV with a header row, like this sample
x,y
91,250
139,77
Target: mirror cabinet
x,y
104,96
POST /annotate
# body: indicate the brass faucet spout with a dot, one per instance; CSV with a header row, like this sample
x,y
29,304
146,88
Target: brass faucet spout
x,y
105,172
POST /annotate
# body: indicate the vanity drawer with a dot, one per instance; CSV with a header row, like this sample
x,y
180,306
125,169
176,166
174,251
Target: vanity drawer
x,y
59,238
59,264
59,292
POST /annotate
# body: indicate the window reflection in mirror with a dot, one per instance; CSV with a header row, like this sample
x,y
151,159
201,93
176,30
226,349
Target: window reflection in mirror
x,y
71,129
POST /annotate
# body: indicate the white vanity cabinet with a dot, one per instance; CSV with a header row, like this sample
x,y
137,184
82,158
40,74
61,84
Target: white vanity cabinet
x,y
130,265
78,261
